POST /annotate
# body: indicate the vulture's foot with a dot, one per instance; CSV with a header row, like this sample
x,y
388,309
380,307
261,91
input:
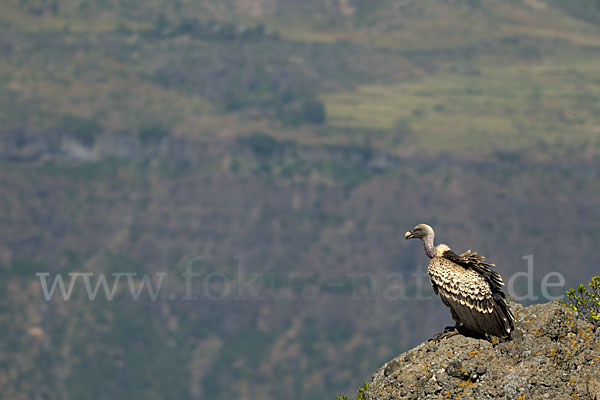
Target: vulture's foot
x,y
448,332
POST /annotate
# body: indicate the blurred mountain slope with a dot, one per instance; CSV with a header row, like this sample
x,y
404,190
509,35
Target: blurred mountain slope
x,y
296,141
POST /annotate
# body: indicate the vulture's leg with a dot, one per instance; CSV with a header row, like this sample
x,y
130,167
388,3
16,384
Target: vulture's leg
x,y
450,331
446,334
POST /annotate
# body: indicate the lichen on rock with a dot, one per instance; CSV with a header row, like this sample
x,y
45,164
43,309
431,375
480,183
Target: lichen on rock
x,y
553,355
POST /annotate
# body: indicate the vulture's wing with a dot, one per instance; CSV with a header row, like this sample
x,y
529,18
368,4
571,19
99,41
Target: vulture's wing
x,y
473,292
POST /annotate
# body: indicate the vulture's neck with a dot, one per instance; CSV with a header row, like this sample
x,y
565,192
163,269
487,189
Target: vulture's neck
x,y
428,245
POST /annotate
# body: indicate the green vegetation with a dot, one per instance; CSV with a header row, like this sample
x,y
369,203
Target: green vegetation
x,y
359,395
520,78
584,9
525,108
83,130
261,144
308,111
238,359
586,301
208,30
152,132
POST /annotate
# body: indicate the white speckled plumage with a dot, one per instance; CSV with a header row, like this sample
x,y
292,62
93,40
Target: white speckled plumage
x,y
467,285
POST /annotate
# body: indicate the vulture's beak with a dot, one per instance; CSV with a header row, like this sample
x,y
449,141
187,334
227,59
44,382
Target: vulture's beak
x,y
408,235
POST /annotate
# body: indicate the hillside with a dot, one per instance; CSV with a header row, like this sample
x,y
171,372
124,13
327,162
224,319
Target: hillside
x,y
407,76
554,356
283,147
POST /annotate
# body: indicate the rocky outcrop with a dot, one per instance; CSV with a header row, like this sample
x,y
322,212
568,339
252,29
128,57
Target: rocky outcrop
x,y
553,355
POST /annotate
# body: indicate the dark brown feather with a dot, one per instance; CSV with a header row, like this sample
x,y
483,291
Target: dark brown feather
x,y
472,260
473,291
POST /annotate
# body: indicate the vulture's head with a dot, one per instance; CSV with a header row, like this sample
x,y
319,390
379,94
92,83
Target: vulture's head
x,y
421,231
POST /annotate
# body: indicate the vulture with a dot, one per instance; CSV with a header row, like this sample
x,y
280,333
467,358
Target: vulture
x,y
468,286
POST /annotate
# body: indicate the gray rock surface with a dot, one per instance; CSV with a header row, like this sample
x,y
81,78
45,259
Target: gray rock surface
x,y
554,355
